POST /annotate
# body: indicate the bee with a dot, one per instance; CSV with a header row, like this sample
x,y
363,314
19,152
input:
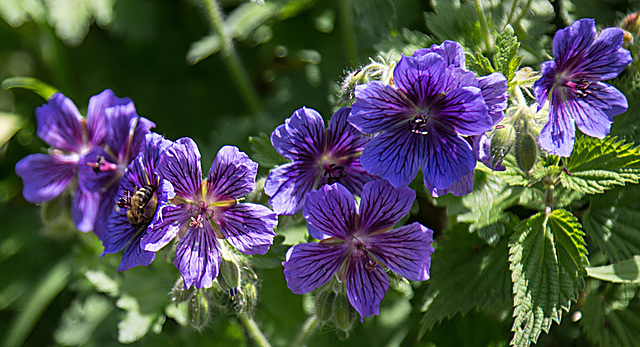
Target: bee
x,y
137,204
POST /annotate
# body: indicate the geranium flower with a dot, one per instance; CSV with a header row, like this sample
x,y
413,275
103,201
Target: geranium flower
x,y
204,211
318,156
359,243
141,196
71,137
572,84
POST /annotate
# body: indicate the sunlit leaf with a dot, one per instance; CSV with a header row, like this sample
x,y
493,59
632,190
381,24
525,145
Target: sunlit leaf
x,y
264,153
35,85
626,271
506,56
80,320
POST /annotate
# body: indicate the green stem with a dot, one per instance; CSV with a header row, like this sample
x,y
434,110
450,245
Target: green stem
x,y
231,59
522,14
346,18
254,330
513,11
483,23
306,331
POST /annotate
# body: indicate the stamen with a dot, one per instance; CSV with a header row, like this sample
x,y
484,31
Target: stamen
x,y
196,222
101,165
418,125
335,173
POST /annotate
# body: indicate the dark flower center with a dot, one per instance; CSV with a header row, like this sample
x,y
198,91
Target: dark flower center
x,y
418,125
581,88
334,173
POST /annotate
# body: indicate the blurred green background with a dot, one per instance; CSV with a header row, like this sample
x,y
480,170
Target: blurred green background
x,y
164,55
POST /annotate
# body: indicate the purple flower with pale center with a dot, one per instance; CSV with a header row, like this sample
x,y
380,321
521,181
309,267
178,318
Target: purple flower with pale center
x,y
318,156
140,199
71,138
572,83
104,166
359,243
204,211
421,120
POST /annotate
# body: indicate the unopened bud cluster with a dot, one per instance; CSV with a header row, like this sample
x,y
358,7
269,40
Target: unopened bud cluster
x,y
333,308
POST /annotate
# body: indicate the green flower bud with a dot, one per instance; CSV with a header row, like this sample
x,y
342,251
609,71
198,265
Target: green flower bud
x,y
343,313
229,275
198,311
179,294
247,297
324,304
526,151
501,142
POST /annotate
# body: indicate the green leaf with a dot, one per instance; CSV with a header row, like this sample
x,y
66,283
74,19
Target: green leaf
x,y
9,125
72,18
626,271
479,64
102,282
466,274
264,153
612,222
598,165
135,324
547,255
375,16
506,57
35,85
80,320
612,317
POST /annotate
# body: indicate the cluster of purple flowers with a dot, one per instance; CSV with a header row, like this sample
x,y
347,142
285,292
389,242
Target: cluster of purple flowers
x,y
138,191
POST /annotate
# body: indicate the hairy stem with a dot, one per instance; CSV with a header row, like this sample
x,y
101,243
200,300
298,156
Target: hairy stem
x,y
513,11
254,330
483,24
306,331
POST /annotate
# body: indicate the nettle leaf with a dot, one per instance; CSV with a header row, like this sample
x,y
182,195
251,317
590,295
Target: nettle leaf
x,y
484,207
612,222
626,271
479,64
506,58
547,256
264,153
466,274
598,165
612,317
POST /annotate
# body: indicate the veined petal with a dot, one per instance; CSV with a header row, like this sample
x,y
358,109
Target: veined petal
x,y
448,158
464,110
232,175
119,233
421,78
451,51
248,227
166,224
406,250
126,131
301,136
543,85
198,257
460,188
60,124
356,177
573,42
310,265
365,288
332,211
594,112
382,206
153,151
98,179
181,166
379,106
288,185
105,208
134,255
342,136
605,59
494,92
84,209
96,119
558,135
395,155
45,176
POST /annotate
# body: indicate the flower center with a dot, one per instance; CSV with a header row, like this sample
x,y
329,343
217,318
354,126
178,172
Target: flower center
x,y
359,250
102,165
418,125
581,88
334,173
200,212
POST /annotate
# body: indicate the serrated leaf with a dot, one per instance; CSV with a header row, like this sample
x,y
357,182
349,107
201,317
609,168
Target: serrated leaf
x,y
612,317
102,282
264,153
466,274
547,255
626,271
597,165
612,222
506,58
479,64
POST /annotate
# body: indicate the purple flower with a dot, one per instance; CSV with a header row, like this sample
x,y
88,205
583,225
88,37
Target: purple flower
x,y
204,211
104,166
141,196
572,83
359,243
318,156
71,138
421,121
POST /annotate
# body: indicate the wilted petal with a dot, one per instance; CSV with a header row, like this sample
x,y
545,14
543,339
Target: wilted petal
x,y
96,119
395,155
406,250
301,136
574,41
84,209
198,257
60,124
332,211
232,175
365,288
558,135
311,265
448,158
288,185
382,206
594,113
45,176
248,227
134,255
379,106
181,167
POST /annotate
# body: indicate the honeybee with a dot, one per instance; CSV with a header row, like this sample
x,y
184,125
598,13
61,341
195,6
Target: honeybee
x,y
136,205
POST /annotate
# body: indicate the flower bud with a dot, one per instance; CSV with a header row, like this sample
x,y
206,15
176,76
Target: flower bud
x,y
324,304
198,311
246,298
343,313
179,294
501,142
229,275
526,151
631,24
